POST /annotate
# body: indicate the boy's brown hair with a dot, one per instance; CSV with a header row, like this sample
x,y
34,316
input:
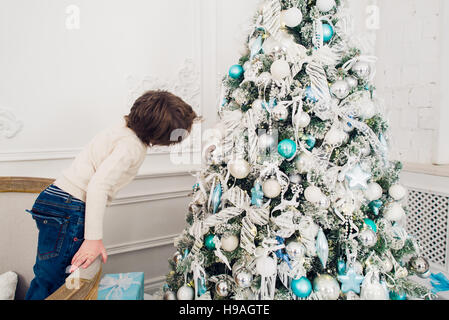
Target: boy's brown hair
x,y
156,114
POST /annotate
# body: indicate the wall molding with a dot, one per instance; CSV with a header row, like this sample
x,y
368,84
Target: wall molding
x,y
120,201
152,285
141,245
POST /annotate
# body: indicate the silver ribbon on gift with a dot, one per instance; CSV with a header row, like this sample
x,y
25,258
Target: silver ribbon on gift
x,y
116,286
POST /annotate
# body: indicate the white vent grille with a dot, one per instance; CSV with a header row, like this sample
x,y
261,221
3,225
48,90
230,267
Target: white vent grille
x,y
427,220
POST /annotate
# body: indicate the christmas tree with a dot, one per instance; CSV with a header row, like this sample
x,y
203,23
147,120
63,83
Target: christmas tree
x,y
298,198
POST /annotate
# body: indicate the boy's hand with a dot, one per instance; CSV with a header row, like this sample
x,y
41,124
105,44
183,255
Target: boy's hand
x,y
88,252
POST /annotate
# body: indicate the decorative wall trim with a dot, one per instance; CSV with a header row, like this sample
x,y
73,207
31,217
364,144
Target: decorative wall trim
x,y
141,245
9,125
151,197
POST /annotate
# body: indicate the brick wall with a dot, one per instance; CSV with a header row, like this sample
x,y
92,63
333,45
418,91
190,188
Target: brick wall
x,y
408,48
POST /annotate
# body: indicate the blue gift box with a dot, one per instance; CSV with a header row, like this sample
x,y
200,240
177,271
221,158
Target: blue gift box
x,y
121,286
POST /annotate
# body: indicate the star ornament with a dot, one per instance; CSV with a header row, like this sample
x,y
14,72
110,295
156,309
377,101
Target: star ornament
x,y
351,281
357,178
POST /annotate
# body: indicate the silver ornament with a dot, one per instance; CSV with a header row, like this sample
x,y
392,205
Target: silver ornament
x,y
177,257
295,250
239,168
271,188
387,265
324,202
352,82
362,69
368,238
304,162
295,178
419,265
425,275
340,89
302,120
222,288
326,287
169,295
243,278
280,113
185,293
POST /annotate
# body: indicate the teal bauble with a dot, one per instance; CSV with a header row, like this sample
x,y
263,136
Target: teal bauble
x,y
328,32
302,288
236,71
287,148
310,96
375,206
341,267
209,242
398,296
371,224
310,142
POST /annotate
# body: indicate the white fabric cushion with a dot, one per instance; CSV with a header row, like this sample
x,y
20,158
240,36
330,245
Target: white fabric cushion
x,y
8,284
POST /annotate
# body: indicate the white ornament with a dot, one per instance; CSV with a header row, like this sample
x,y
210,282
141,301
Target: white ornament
x,y
185,293
324,202
291,17
335,136
303,120
271,188
374,192
266,266
239,168
229,243
280,69
304,162
326,287
368,110
397,192
362,69
394,212
313,194
340,89
325,5
280,113
352,82
295,250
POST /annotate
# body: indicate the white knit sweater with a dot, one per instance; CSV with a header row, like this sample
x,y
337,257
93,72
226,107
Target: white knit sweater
x,y
107,164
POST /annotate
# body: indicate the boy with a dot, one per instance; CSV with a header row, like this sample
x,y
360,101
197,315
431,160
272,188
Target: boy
x,y
69,213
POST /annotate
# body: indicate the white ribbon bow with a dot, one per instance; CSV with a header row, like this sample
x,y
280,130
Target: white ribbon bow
x,y
117,286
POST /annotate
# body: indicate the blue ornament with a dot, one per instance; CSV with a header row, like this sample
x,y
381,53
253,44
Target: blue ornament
x,y
186,253
311,141
201,286
302,288
357,178
371,224
209,242
310,96
375,206
341,267
224,102
328,32
196,186
351,281
322,247
236,71
287,148
281,254
398,296
256,47
216,198
257,195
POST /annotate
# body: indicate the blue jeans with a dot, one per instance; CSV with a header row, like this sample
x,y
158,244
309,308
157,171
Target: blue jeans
x,y
60,220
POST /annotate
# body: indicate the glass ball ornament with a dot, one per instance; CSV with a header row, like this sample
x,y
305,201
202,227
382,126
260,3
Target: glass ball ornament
x,y
328,32
394,212
291,17
325,5
368,238
340,89
295,178
209,242
264,79
185,293
280,69
362,70
177,257
352,82
236,71
397,192
271,188
324,202
222,288
313,194
302,120
287,148
243,278
239,168
266,266
295,250
310,142
302,288
326,287
229,243
169,295
373,192
304,162
373,291
280,113
419,265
